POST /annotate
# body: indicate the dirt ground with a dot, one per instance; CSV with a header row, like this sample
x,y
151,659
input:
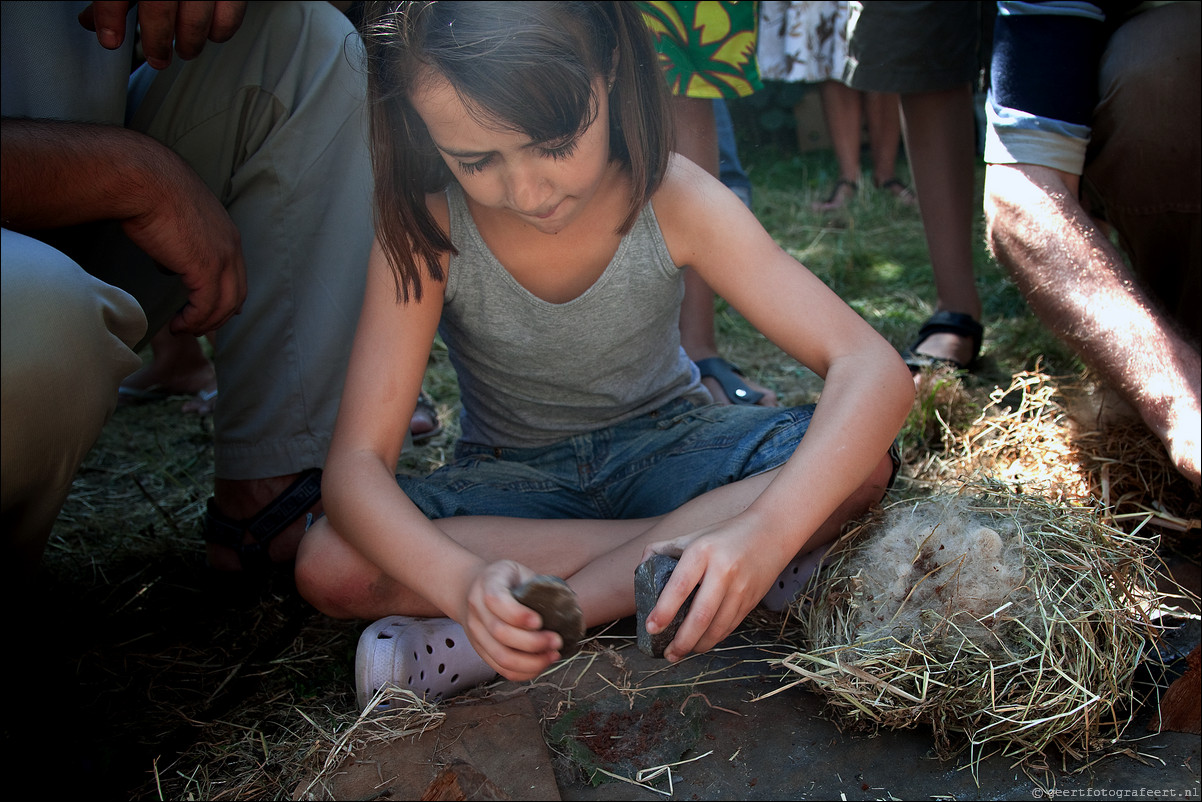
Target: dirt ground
x,y
708,716
135,673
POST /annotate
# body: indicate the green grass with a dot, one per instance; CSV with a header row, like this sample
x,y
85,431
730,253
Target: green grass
x,y
874,255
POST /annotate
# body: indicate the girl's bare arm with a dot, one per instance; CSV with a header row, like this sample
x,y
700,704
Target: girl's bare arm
x,y
867,393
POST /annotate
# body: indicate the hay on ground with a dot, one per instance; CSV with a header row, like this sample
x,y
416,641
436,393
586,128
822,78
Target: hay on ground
x,y
1006,623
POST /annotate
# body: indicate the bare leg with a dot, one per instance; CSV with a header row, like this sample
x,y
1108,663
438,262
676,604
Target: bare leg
x,y
841,106
884,136
697,140
938,128
597,557
1080,287
178,366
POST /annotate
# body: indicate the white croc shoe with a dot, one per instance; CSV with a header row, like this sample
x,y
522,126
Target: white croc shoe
x,y
792,580
429,656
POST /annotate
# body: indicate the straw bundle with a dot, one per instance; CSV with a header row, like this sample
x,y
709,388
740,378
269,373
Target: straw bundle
x,y
1008,624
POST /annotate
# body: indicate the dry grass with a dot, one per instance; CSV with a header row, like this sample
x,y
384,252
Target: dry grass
x,y
1043,666
1048,670
196,688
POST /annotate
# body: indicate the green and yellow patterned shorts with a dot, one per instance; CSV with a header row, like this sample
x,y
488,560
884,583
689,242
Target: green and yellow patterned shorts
x,y
707,49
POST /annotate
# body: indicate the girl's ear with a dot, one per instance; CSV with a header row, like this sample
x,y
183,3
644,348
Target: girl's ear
x,y
613,70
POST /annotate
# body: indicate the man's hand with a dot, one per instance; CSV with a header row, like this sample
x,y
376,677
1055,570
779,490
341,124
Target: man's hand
x,y
185,26
189,232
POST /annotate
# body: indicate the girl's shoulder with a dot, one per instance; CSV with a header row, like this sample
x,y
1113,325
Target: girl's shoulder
x,y
681,179
690,202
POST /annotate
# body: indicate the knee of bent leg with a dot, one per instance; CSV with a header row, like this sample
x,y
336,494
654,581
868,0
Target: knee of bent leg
x,y
312,578
325,573
68,333
874,488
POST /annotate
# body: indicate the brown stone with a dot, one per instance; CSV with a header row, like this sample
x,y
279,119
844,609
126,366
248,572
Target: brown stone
x,y
1181,705
551,598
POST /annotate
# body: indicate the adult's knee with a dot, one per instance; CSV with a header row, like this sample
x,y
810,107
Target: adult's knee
x,y
66,345
1144,151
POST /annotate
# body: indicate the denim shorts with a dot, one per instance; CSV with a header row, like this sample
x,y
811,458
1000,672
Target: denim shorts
x,y
644,467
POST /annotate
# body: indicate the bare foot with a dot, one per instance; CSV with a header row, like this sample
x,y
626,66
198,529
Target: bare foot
x,y
203,403
178,367
162,381
902,193
840,196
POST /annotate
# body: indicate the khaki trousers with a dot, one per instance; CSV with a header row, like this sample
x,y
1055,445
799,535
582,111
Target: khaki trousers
x,y
274,121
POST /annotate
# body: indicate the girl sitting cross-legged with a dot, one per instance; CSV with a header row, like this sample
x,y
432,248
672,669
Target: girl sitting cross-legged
x,y
528,208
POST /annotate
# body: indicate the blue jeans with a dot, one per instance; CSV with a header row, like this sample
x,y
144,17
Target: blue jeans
x,y
644,467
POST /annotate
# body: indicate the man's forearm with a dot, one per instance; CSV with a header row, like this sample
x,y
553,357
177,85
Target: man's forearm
x,y
55,173
1072,276
1078,284
58,174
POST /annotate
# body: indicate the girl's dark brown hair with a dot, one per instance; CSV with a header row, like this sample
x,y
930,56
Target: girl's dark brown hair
x,y
526,66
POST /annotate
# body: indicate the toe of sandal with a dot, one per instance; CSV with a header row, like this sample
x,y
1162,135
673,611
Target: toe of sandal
x,y
792,580
730,378
431,657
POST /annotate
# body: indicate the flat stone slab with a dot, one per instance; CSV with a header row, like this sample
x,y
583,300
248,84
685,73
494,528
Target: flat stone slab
x,y
500,739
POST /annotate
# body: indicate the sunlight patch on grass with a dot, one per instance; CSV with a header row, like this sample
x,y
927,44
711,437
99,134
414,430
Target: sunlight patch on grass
x,y
886,270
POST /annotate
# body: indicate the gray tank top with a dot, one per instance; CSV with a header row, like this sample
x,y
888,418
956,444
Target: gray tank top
x,y
532,372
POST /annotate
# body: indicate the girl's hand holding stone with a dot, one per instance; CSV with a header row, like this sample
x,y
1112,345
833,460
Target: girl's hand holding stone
x,y
504,632
728,570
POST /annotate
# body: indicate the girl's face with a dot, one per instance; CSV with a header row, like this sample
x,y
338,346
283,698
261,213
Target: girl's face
x,y
544,184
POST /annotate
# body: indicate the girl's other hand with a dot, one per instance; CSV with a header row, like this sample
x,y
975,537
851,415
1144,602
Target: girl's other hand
x,y
731,574
505,633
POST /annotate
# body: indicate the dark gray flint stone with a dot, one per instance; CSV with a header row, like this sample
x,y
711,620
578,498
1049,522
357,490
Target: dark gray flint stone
x,y
649,580
550,597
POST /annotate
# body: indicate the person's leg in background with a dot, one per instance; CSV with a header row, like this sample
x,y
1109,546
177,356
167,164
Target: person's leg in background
x,y
940,146
695,80
927,52
841,105
882,111
730,169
